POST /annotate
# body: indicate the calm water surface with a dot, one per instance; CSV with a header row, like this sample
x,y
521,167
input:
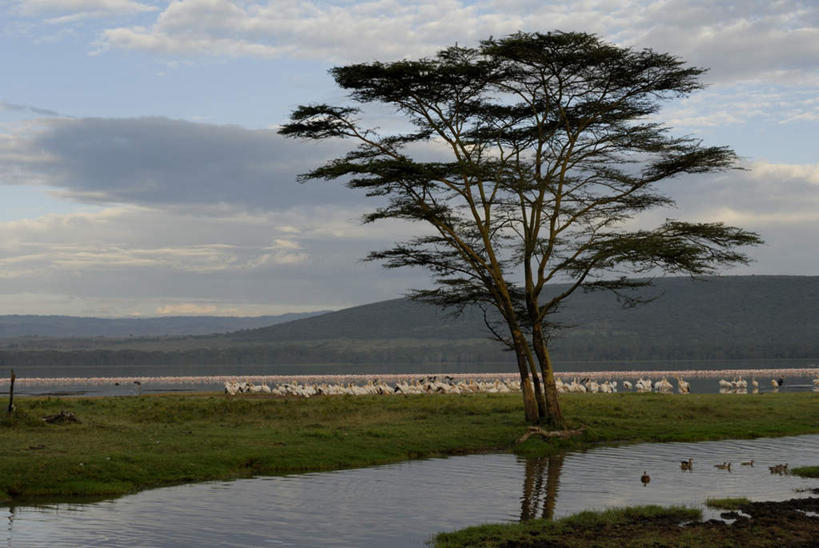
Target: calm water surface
x,y
405,504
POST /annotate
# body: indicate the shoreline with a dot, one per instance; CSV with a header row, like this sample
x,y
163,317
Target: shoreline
x,y
361,378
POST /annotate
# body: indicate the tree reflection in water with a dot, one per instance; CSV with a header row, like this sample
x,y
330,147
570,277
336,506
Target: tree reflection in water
x,y
540,470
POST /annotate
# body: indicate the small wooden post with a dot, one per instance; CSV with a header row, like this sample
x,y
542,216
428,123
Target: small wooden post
x,y
11,392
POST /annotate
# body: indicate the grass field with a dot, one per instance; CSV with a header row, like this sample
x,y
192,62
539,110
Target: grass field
x,y
126,444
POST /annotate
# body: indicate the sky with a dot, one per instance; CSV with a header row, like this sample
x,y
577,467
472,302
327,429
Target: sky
x,y
141,173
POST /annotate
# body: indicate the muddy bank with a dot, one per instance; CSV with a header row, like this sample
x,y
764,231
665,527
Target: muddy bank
x,y
793,522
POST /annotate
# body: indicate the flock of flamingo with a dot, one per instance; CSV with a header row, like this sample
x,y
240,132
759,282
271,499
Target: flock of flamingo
x,y
313,385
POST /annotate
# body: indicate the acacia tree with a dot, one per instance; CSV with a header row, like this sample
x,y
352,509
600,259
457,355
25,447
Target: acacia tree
x,y
544,150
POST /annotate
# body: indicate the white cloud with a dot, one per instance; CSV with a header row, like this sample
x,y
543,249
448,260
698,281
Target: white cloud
x,y
175,256
773,41
766,197
73,8
195,309
743,103
777,173
196,240
335,31
744,45
740,42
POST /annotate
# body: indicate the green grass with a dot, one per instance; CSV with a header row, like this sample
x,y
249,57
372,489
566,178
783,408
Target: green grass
x,y
125,444
572,528
806,471
729,503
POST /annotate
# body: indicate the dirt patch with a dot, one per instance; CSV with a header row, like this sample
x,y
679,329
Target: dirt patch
x,y
63,417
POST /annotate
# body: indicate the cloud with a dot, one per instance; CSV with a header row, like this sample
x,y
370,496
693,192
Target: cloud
x,y
194,309
773,41
157,161
194,240
302,257
139,259
72,9
185,210
744,46
304,29
769,198
28,108
738,104
746,41
785,172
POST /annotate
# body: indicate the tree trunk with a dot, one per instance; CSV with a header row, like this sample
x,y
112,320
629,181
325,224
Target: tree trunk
x,y
531,369
542,408
530,402
554,415
11,391
533,403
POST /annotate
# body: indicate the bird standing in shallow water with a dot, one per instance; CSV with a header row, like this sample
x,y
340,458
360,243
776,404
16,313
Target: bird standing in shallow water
x,y
645,478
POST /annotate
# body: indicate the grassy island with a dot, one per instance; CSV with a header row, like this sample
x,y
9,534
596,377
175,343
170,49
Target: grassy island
x,y
125,444
806,471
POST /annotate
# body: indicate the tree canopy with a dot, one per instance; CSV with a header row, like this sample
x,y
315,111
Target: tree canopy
x,y
546,148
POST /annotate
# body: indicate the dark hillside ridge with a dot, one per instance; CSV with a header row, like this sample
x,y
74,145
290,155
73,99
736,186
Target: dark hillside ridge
x,y
393,319
727,307
72,326
714,318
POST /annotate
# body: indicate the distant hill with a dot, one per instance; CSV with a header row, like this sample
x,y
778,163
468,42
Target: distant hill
x,y
732,317
723,314
71,326
393,319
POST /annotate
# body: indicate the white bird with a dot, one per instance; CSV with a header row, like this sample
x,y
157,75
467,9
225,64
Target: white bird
x,y
663,386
